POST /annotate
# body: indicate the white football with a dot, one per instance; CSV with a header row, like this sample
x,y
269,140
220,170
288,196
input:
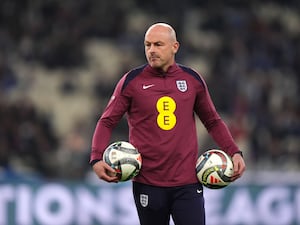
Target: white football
x,y
124,158
214,169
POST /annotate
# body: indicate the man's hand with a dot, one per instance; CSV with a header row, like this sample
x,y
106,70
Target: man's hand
x,y
105,172
239,166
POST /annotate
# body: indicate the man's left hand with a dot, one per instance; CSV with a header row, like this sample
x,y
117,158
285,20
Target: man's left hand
x,y
239,166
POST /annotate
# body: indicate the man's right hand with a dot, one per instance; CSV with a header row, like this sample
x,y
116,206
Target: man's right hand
x,y
105,172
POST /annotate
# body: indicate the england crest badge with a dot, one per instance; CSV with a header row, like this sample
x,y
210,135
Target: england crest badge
x,y
144,200
181,85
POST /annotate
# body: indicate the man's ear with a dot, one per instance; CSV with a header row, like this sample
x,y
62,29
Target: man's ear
x,y
175,47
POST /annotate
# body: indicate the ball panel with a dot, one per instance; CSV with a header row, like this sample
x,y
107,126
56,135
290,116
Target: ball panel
x,y
128,171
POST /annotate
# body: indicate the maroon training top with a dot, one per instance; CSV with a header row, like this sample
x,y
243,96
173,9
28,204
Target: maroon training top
x,y
160,109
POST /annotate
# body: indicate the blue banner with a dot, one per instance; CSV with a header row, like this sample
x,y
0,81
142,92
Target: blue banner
x,y
77,203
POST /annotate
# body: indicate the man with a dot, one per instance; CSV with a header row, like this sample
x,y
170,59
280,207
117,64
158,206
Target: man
x,y
160,100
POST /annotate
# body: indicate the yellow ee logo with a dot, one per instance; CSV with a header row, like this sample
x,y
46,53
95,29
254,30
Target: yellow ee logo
x,y
166,118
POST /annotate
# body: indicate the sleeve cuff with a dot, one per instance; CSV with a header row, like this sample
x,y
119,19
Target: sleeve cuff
x,y
93,162
239,152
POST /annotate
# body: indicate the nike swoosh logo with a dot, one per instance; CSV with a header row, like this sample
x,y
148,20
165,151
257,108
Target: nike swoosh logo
x,y
199,191
147,86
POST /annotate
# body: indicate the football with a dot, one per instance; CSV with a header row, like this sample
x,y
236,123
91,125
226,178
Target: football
x,y
214,169
124,158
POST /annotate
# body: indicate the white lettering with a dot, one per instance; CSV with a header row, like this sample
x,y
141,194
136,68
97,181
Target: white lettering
x,y
241,210
125,206
54,205
275,207
297,206
23,205
99,207
7,195
213,208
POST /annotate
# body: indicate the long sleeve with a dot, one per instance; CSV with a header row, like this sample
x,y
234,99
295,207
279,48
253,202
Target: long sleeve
x,y
113,113
212,121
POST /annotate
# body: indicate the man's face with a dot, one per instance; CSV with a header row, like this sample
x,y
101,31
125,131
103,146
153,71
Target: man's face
x,y
160,48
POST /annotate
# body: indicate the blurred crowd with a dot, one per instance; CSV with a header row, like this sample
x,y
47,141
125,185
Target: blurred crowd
x,y
61,57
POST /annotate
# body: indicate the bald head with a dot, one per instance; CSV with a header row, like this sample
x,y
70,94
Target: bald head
x,y
161,46
162,28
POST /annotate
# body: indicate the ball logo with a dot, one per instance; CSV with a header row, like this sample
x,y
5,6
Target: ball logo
x,y
214,180
166,118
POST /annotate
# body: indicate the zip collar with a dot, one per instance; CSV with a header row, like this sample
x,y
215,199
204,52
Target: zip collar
x,y
158,72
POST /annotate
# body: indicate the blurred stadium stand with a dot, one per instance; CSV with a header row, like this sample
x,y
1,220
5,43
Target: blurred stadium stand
x,y
59,61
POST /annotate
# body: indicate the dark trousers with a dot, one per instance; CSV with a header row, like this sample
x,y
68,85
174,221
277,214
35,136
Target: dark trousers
x,y
155,205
